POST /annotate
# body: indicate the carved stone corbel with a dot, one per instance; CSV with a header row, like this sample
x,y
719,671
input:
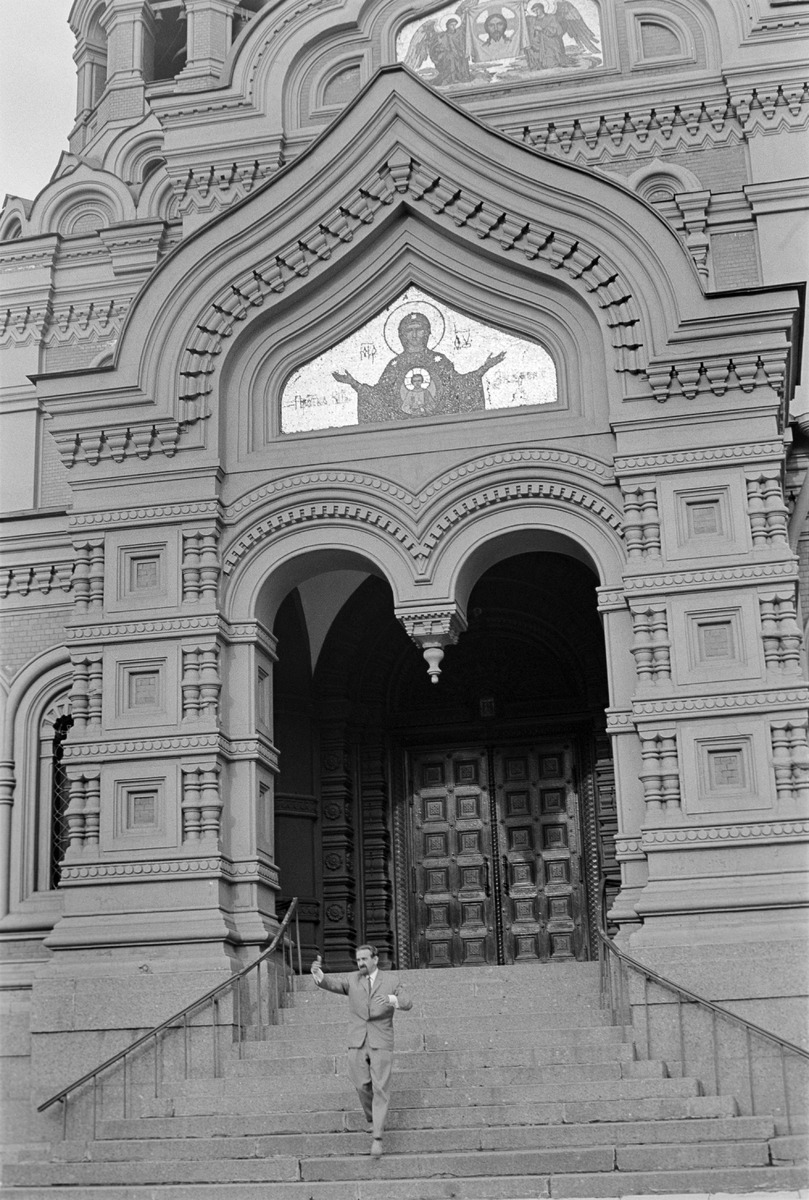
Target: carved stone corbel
x,y
432,630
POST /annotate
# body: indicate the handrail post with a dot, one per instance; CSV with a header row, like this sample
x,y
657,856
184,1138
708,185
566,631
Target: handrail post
x,y
298,940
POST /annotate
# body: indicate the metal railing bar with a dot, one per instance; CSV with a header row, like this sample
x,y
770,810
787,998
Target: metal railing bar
x,y
715,1044
653,977
786,1087
183,1013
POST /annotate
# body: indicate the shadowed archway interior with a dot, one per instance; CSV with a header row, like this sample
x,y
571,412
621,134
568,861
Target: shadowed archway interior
x,y
528,672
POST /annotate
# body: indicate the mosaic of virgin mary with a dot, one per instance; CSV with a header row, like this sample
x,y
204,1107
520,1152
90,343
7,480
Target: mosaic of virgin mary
x,y
417,359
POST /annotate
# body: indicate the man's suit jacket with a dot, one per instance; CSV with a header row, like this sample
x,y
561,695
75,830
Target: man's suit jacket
x,y
367,1018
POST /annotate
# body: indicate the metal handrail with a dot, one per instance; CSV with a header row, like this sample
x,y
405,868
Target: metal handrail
x,y
695,998
209,997
785,1047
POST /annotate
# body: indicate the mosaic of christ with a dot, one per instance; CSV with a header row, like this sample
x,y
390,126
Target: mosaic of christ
x,y
417,359
472,43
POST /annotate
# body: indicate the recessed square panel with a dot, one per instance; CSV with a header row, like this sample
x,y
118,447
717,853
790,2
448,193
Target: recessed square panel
x,y
557,872
473,951
466,772
518,804
472,913
521,873
469,842
437,880
561,945
552,800
526,946
439,954
468,808
559,908
550,766
554,837
516,768
432,774
435,845
520,839
471,878
438,915
524,910
435,810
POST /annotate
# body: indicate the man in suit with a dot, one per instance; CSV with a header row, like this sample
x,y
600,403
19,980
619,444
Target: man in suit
x,y
373,998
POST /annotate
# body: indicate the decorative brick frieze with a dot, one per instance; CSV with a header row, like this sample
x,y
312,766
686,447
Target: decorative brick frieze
x,y
726,118
528,457
113,631
176,745
764,700
685,460
421,549
209,866
201,804
651,647
710,577
22,580
200,565
780,631
745,371
790,755
760,832
95,322
201,684
24,324
145,515
641,521
661,774
118,443
611,599
587,266
766,509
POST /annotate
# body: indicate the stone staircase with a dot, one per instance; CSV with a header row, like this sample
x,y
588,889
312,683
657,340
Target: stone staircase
x,y
509,1084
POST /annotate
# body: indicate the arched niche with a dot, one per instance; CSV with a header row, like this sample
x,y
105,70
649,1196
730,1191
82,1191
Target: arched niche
x,y
497,295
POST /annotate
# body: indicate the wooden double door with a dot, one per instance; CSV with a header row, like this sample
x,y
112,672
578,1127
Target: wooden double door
x,y
496,854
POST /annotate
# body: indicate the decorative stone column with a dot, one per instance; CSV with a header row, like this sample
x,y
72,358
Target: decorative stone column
x,y
208,39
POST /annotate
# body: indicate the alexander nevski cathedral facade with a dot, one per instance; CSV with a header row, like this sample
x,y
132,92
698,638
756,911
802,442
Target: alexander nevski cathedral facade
x,y
405,456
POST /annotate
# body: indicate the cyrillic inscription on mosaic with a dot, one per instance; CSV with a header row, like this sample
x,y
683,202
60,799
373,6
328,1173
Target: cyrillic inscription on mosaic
x,y
417,359
472,43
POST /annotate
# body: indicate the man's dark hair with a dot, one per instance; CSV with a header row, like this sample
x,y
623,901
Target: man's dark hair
x,y
366,946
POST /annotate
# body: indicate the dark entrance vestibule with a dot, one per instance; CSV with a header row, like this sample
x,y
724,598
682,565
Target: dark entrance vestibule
x,y
454,824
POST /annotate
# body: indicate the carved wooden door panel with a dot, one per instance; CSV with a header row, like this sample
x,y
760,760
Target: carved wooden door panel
x,y
452,851
539,883
496,856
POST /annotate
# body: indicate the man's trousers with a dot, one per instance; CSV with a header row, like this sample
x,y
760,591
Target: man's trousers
x,y
370,1071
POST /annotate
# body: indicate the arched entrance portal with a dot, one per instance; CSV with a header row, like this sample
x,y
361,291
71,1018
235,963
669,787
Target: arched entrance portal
x,y
465,822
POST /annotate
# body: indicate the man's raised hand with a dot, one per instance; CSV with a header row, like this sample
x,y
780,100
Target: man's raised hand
x,y
317,972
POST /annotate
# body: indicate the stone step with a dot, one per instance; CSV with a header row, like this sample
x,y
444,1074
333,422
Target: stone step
x,y
432,1036
246,1095
502,1137
504,1187
535,977
253,1058
467,1009
452,1164
417,1074
164,1124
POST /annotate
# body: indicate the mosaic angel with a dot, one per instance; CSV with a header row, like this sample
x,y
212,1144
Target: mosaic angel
x,y
546,33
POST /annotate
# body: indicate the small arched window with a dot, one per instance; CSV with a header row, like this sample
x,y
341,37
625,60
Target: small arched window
x,y
60,798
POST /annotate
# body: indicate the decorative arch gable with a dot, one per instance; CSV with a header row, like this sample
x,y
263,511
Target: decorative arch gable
x,y
402,157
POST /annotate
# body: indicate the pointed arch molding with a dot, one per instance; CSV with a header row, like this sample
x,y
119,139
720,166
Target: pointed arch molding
x,y
420,522
401,177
